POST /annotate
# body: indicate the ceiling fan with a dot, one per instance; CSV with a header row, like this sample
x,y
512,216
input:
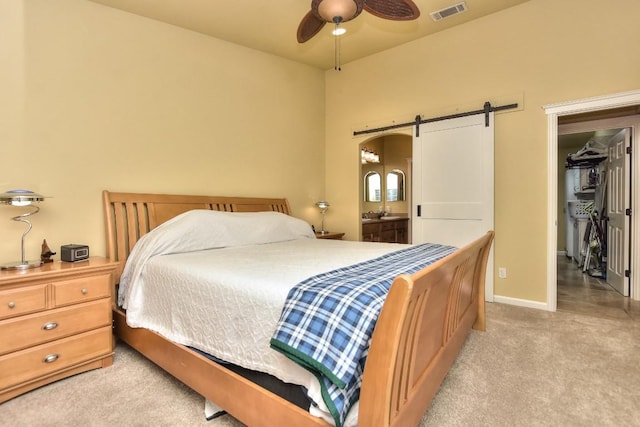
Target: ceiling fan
x,y
339,11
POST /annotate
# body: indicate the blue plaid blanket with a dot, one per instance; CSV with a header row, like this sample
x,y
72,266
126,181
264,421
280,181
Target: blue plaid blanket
x,y
328,320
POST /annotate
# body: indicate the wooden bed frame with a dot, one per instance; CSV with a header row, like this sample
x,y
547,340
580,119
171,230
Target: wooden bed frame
x,y
421,329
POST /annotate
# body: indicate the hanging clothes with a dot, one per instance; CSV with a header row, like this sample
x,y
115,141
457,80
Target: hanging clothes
x,y
591,154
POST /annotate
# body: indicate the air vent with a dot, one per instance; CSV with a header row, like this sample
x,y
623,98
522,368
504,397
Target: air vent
x,y
448,11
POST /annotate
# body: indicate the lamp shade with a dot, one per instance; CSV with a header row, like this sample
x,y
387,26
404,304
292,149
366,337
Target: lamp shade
x,y
20,197
322,204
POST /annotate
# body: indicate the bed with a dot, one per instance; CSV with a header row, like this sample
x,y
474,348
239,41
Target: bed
x,y
423,322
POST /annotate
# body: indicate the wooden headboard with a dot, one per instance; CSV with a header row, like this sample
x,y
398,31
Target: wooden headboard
x,y
128,216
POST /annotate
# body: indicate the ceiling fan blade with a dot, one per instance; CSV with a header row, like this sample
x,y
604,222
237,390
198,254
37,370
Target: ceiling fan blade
x,y
396,10
309,27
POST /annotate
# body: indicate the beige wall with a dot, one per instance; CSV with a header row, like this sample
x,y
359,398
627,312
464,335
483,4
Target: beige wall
x,y
94,98
537,53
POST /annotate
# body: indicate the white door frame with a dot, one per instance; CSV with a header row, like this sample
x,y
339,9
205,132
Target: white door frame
x,y
554,111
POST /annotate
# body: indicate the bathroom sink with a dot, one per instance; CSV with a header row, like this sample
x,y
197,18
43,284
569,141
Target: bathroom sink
x,y
392,217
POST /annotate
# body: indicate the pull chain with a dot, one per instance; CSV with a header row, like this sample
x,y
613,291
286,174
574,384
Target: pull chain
x,y
337,32
337,52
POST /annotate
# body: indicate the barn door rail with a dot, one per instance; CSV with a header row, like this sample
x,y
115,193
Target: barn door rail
x,y
486,109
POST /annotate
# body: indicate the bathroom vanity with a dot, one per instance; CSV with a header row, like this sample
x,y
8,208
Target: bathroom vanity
x,y
389,229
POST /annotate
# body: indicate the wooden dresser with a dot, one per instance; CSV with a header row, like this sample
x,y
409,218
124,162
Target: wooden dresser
x,y
55,321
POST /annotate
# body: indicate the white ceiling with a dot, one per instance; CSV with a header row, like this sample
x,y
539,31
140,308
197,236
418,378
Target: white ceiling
x,y
270,25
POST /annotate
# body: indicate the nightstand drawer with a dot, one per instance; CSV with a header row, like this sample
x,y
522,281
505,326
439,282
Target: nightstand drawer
x,y
35,362
83,289
34,329
15,302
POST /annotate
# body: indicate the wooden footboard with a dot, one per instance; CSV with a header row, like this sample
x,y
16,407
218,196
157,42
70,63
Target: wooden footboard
x,y
423,325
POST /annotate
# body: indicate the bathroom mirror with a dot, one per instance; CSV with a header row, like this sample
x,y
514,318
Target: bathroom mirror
x,y
372,187
394,184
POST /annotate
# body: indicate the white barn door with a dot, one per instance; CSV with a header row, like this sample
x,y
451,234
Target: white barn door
x,y
453,184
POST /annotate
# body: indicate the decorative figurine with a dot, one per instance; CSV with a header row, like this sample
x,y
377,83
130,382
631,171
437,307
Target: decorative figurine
x,y
46,254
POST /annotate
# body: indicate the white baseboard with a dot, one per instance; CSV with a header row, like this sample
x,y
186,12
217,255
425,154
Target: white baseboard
x,y
521,302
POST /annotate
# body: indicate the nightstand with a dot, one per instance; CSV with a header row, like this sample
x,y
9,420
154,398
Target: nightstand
x,y
55,321
329,235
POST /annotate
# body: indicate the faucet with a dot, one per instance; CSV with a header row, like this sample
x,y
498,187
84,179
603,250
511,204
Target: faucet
x,y
368,215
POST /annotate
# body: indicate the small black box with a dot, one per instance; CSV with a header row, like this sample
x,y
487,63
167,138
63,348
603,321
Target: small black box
x,y
73,253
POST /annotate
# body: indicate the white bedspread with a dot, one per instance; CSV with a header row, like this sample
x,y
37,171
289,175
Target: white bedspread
x,y
205,229
227,301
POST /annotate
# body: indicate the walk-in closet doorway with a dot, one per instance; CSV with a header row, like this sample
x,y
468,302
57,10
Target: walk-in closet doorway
x,y
594,193
587,116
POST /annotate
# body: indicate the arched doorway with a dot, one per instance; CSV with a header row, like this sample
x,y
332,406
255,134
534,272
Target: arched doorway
x,y
385,176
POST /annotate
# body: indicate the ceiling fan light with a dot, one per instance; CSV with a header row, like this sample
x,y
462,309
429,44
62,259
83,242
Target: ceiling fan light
x,y
338,31
345,9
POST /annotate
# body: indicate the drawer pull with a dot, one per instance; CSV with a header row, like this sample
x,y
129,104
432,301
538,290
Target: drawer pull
x,y
84,291
50,358
49,326
12,304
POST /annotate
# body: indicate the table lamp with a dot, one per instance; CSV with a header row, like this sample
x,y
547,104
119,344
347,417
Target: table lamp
x,y
323,205
22,198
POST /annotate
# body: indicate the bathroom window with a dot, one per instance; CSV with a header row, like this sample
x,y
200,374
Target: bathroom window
x,y
372,187
395,186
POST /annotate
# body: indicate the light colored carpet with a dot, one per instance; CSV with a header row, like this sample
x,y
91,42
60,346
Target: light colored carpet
x,y
530,368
